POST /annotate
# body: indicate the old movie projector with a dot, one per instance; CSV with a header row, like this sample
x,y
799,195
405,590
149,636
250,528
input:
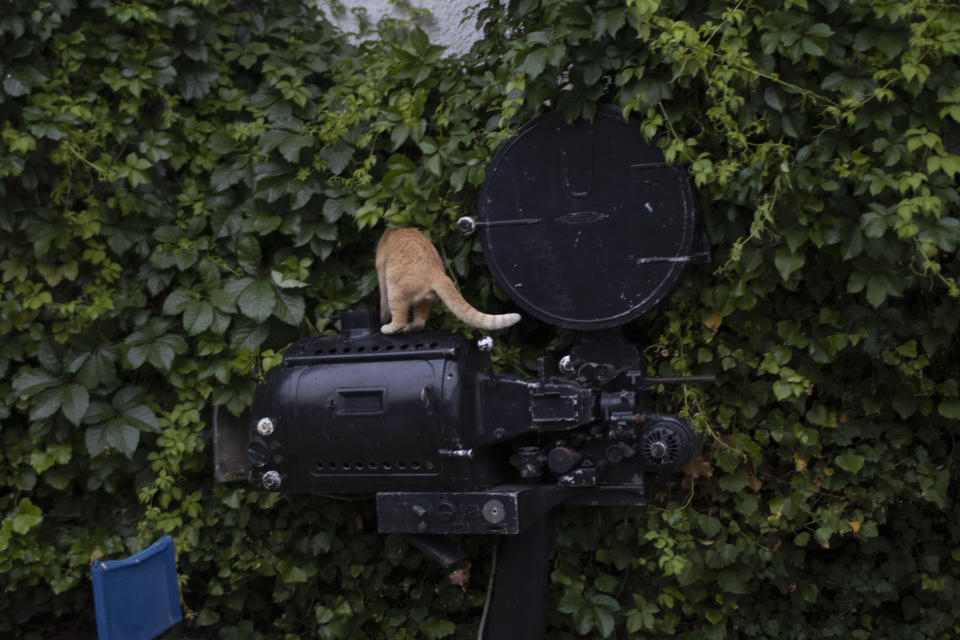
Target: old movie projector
x,y
585,227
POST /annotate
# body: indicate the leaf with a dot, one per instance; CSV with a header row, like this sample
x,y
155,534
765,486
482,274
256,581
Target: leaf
x,y
55,454
876,290
27,516
398,136
294,574
733,581
197,317
606,584
336,157
45,404
605,621
950,408
248,335
221,142
257,300
248,254
225,175
141,417
535,62
851,462
787,262
33,382
116,434
334,208
176,302
772,97
713,321
223,300
74,400
437,628
207,617
20,79
820,30
419,40
291,145
289,307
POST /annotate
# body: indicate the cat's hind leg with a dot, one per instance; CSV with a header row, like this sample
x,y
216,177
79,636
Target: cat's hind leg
x,y
421,311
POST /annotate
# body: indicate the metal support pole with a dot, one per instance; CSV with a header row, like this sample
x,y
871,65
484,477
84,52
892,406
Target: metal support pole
x,y
516,607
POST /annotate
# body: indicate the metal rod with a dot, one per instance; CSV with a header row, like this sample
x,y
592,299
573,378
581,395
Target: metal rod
x,y
653,165
410,353
690,258
679,380
502,223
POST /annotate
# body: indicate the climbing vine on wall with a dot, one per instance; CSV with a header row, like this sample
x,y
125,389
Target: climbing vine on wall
x,y
189,187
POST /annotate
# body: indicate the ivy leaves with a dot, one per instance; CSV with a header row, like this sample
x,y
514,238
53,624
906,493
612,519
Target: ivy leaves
x,y
153,345
116,424
52,396
188,189
264,295
119,423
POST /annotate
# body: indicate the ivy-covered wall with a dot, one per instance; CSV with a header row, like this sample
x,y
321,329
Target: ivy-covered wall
x,y
187,187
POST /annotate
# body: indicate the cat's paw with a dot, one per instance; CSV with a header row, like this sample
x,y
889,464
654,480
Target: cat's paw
x,y
393,327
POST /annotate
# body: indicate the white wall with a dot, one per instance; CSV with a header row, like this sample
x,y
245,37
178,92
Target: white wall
x,y
448,27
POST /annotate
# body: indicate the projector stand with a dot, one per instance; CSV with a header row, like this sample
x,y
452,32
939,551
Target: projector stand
x,y
524,519
516,607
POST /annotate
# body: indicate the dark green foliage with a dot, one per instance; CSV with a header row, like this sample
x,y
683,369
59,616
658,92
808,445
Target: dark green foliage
x,y
188,187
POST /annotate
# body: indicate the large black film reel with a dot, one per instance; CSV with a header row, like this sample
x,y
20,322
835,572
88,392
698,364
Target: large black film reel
x,y
585,226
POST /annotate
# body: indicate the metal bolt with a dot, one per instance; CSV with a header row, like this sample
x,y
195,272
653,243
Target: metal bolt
x,y
657,449
466,226
271,480
265,426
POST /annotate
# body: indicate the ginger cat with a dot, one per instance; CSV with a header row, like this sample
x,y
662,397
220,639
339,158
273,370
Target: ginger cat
x,y
410,274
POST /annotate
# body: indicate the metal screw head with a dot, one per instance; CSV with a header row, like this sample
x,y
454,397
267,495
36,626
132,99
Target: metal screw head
x,y
271,480
494,511
485,343
265,426
466,226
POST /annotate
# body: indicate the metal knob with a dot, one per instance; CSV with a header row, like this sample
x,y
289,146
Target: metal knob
x,y
271,480
485,343
657,449
466,226
562,459
265,427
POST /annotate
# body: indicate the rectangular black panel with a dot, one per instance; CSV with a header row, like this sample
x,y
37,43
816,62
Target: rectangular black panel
x,y
362,402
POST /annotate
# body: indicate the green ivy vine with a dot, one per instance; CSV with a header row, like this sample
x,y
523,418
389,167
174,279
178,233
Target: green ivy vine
x,y
186,188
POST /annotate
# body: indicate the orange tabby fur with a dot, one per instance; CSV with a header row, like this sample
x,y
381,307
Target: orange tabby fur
x,y
411,275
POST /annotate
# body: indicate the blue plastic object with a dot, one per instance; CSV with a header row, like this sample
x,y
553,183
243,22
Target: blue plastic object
x,y
137,598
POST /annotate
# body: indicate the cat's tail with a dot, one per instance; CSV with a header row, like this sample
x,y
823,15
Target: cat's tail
x,y
459,307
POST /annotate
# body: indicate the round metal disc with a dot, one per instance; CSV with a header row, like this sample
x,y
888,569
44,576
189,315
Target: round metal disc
x,y
585,226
